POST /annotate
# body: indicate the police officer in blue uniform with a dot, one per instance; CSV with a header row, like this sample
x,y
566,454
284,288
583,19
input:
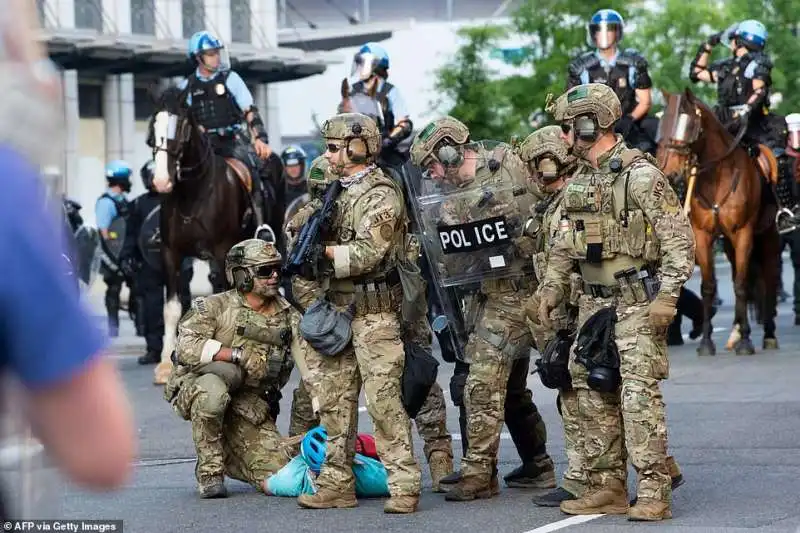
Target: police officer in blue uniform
x,y
294,161
149,279
743,88
625,71
220,102
111,205
371,72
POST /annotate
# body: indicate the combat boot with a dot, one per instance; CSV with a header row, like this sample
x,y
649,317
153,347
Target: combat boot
x,y
150,358
449,481
327,499
441,465
212,487
611,499
474,487
674,473
649,510
537,474
401,505
554,498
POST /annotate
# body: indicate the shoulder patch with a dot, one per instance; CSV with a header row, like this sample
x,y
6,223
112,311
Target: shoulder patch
x,y
199,304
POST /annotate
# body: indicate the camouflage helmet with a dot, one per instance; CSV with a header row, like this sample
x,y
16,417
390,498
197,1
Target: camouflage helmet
x,y
249,254
349,127
319,175
446,129
596,99
548,141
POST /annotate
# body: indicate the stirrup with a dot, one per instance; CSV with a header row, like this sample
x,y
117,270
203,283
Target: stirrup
x,y
788,214
269,236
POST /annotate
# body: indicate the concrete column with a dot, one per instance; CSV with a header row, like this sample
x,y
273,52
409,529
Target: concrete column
x,y
169,19
112,118
266,98
264,22
127,116
218,18
71,124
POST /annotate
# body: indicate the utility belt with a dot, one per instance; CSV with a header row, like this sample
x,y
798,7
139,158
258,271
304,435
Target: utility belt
x,y
226,133
381,294
519,283
633,287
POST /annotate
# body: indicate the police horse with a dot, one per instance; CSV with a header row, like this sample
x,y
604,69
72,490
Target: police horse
x,y
729,195
206,205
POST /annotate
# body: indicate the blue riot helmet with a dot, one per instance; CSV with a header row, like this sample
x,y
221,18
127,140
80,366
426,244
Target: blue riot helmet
x,y
601,23
147,173
202,47
294,163
119,173
370,59
313,446
751,34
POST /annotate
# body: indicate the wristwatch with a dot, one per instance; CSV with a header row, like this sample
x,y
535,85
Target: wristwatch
x,y
236,355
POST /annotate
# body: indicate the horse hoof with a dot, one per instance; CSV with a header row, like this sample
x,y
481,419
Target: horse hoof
x,y
706,348
734,338
162,372
771,344
745,347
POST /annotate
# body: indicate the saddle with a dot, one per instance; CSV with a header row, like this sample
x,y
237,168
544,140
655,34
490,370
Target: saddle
x,y
767,164
241,170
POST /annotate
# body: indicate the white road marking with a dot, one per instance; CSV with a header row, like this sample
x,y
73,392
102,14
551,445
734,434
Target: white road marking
x,y
503,436
561,524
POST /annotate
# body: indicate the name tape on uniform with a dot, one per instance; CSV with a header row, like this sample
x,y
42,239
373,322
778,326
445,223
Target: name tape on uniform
x,y
461,238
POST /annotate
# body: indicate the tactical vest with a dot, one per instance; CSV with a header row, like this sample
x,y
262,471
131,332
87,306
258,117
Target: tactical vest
x,y
616,76
123,206
733,88
213,106
257,335
385,124
605,229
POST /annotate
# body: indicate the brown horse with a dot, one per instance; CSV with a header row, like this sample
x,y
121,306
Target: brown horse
x,y
730,198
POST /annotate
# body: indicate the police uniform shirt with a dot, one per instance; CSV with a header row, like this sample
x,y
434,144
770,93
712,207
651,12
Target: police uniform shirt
x,y
106,210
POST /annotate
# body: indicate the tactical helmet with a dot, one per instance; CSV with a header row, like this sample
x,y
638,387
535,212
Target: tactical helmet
x,y
118,172
595,99
313,447
147,173
793,127
369,58
361,136
204,41
751,34
319,176
604,20
245,258
293,155
546,141
445,131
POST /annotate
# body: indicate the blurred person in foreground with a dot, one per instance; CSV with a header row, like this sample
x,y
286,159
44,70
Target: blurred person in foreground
x,y
73,397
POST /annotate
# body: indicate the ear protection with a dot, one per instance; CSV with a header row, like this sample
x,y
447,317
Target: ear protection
x,y
586,129
357,150
242,279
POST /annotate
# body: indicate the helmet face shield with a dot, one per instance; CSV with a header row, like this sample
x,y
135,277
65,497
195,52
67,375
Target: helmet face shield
x,y
605,34
363,66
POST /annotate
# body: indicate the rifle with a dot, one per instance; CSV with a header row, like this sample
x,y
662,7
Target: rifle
x,y
304,257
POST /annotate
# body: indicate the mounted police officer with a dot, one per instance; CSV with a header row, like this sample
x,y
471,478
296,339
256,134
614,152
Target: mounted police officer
x,y
140,259
625,71
477,187
294,172
220,101
374,96
111,211
743,84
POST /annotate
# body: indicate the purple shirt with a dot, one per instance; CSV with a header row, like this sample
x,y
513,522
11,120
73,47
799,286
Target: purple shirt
x,y
46,336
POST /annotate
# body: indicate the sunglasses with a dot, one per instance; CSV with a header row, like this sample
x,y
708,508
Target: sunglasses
x,y
333,148
266,271
566,128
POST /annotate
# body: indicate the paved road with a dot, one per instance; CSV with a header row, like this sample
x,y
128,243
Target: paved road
x,y
734,427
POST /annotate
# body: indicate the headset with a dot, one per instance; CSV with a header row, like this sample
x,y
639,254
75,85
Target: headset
x,y
242,279
586,128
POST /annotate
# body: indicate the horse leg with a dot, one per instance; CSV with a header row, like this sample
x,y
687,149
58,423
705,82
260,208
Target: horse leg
x,y
705,260
742,247
172,313
770,261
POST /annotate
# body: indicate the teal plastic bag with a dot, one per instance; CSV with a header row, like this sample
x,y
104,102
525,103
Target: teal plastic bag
x,y
372,480
296,478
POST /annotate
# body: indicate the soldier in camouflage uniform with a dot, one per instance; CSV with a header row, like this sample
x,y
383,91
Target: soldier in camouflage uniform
x,y
361,254
635,249
431,421
498,349
233,357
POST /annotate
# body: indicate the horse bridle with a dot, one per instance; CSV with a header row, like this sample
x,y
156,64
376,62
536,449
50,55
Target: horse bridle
x,y
183,137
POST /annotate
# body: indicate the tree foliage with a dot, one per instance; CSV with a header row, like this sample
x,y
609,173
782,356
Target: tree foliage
x,y
667,34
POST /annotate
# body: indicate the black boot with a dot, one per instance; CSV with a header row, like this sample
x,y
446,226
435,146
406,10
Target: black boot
x,y
554,498
674,335
539,474
449,480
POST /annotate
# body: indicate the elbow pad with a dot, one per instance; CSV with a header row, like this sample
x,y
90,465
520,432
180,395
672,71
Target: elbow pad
x,y
693,65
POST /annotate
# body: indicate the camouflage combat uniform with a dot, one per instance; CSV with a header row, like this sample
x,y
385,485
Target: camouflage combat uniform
x,y
622,214
229,405
368,231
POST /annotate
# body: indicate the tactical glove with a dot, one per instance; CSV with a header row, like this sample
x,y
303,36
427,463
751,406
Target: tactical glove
x,y
662,311
548,300
714,40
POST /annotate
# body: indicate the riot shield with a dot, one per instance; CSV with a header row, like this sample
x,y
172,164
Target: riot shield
x,y
149,241
112,246
86,240
472,205
296,205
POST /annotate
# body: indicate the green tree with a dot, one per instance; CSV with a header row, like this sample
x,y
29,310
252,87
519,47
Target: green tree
x,y
469,90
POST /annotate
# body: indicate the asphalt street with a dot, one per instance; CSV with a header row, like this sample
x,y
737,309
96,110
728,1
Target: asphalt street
x,y
734,427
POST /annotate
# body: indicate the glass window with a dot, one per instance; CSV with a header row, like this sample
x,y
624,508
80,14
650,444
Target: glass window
x,y
90,100
194,17
240,21
143,17
88,15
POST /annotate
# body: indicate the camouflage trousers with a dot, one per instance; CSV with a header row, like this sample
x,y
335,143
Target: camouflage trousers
x,y
632,420
231,436
376,359
491,365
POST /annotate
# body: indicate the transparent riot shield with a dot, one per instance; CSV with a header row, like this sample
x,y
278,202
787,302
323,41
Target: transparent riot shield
x,y
472,206
149,241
